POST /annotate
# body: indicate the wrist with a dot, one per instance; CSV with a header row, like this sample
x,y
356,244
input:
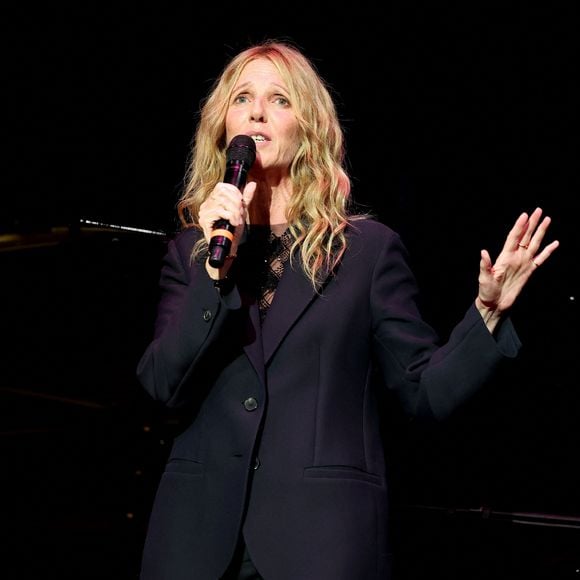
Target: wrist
x,y
489,311
221,278
222,272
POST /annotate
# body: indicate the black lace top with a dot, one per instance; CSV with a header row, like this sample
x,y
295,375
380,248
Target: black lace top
x,y
269,253
275,255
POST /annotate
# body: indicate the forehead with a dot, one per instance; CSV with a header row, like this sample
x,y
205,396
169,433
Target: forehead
x,y
260,70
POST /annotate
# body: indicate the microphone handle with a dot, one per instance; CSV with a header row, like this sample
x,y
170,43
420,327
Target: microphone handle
x,y
220,242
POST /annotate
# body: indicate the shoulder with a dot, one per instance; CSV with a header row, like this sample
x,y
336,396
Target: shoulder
x,y
181,244
370,229
189,234
185,239
372,242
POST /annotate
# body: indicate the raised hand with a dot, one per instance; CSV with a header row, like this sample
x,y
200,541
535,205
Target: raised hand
x,y
501,282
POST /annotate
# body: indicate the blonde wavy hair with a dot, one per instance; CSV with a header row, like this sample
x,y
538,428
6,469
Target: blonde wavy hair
x,y
318,212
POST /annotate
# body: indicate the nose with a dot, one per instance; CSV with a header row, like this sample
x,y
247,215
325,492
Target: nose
x,y
258,111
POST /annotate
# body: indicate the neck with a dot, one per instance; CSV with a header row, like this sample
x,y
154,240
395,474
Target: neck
x,y
270,204
278,229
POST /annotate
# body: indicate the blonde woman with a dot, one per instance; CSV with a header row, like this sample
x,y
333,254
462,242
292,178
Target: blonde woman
x,y
280,473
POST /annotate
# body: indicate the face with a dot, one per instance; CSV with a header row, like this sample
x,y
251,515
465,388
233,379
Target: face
x,y
260,107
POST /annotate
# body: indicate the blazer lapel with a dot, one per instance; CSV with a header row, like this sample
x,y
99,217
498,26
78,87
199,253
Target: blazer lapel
x,y
293,294
253,347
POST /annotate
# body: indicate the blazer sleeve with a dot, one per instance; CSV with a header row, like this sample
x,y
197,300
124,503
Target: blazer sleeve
x,y
431,378
191,315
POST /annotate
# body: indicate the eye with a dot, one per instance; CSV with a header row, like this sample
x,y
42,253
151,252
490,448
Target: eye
x,y
243,98
281,100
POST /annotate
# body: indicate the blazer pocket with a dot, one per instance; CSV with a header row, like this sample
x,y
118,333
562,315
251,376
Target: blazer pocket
x,y
186,466
341,472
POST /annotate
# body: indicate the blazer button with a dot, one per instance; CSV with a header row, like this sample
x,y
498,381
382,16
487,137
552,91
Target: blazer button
x,y
206,315
257,463
250,404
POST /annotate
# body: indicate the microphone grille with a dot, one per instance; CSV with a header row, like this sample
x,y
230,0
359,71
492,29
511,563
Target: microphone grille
x,y
241,148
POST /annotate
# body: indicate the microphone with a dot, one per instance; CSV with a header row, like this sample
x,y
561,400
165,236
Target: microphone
x,y
240,156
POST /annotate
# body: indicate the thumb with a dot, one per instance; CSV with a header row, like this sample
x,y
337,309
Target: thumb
x,y
485,264
248,194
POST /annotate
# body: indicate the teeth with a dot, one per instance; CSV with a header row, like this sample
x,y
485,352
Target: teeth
x,y
258,137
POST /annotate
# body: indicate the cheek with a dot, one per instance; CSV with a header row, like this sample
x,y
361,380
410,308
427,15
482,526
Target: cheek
x,y
232,123
293,142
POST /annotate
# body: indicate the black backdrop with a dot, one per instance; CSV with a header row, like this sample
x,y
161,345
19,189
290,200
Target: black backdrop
x,y
458,116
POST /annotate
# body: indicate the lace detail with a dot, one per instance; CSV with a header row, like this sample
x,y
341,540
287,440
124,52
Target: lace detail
x,y
276,254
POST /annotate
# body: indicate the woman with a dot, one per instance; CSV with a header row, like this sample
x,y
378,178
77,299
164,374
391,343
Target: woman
x,y
281,474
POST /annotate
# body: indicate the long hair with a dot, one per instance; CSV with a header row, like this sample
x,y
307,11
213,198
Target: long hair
x,y
318,211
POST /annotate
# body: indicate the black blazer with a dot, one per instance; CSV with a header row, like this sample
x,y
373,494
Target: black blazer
x,y
284,441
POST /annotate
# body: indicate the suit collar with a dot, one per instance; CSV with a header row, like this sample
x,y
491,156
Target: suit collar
x,y
253,347
293,295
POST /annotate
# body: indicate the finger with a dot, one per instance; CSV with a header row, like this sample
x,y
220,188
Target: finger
x,y
524,242
515,234
539,234
225,202
485,265
213,211
249,192
225,192
485,262
230,212
545,253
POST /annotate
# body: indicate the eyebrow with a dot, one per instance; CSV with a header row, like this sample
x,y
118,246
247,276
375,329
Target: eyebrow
x,y
247,84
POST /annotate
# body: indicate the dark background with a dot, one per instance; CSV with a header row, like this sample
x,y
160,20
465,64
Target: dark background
x,y
458,116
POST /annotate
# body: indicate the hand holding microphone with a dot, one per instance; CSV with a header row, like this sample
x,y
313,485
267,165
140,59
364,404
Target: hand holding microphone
x,y
240,156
